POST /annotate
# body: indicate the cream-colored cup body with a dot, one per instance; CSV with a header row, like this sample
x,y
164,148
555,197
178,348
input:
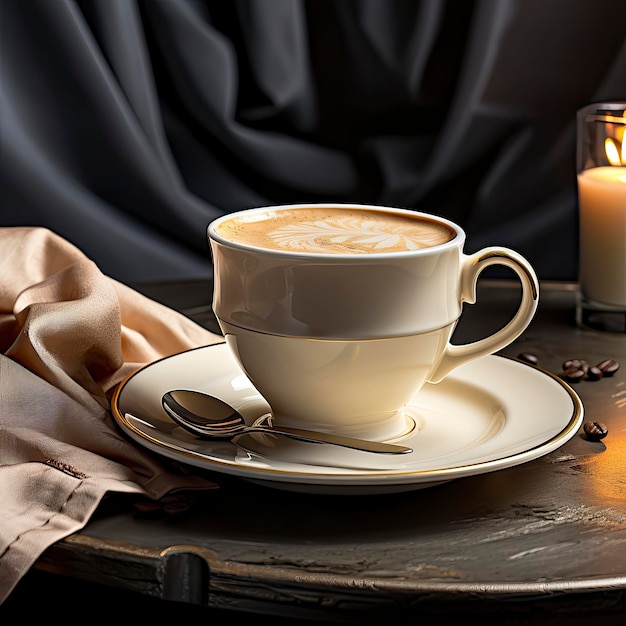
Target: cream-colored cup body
x,y
341,342
357,387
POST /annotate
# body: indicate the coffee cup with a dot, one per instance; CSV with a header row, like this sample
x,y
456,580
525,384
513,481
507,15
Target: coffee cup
x,y
340,313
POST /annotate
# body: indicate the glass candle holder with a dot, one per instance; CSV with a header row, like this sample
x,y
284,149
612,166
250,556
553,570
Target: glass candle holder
x,y
601,176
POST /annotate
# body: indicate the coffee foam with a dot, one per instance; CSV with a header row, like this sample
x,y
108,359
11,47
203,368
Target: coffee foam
x,y
335,230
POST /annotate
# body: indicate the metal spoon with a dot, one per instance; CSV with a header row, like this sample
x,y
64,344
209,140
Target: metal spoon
x,y
209,417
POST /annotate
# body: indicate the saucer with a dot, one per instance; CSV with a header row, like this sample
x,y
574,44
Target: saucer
x,y
490,414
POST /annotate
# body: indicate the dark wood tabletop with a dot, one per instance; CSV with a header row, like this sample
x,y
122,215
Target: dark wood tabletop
x,y
542,542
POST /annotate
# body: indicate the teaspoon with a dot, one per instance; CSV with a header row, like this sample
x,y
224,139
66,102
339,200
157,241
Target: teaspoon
x,y
209,417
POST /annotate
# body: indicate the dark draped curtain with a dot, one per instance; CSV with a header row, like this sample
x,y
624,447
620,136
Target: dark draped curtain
x,y
127,125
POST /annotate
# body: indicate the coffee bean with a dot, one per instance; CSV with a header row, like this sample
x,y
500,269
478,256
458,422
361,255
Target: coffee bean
x,y
573,374
608,367
528,358
577,363
594,373
594,431
577,369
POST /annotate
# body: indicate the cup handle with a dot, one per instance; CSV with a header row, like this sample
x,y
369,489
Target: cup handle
x,y
472,266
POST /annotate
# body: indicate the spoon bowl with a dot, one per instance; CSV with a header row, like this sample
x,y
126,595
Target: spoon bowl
x,y
209,417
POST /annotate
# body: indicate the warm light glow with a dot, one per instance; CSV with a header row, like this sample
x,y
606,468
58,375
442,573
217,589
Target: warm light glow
x,y
612,151
615,146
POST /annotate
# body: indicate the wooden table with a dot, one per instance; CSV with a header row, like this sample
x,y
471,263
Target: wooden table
x,y
543,542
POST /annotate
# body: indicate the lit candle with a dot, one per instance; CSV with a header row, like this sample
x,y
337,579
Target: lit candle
x,y
602,212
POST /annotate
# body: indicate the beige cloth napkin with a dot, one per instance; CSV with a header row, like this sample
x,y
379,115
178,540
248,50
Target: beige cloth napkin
x,y
68,335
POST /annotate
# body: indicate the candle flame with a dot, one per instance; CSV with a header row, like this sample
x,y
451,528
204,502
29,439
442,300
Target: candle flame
x,y
613,152
615,146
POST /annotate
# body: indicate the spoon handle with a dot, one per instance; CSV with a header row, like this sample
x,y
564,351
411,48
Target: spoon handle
x,y
337,440
209,417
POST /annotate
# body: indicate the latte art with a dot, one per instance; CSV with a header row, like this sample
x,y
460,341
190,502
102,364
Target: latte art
x,y
353,233
336,230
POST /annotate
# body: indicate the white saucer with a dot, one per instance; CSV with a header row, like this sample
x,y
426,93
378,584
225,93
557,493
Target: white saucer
x,y
488,415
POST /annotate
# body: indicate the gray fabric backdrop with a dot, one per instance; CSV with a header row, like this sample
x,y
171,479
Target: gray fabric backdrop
x,y
127,125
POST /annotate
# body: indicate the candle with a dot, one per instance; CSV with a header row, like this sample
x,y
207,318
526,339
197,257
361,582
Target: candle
x,y
602,212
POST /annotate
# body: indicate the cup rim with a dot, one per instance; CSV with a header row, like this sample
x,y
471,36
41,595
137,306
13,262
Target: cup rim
x,y
457,240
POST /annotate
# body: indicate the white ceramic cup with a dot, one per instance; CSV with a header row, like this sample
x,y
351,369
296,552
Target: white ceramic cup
x,y
340,313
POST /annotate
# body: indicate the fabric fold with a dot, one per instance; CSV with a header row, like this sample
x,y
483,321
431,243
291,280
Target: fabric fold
x,y
68,335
